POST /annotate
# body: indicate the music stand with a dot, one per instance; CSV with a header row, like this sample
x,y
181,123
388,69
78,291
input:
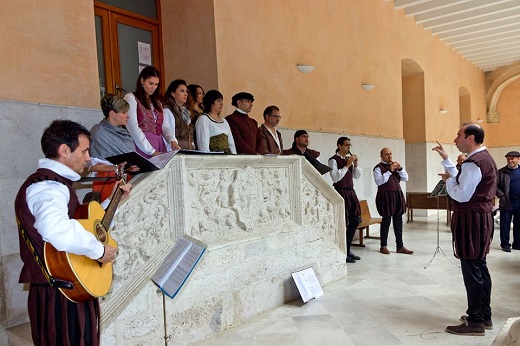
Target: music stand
x,y
439,191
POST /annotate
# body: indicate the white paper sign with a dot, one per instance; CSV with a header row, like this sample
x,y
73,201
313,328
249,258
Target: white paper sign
x,y
145,53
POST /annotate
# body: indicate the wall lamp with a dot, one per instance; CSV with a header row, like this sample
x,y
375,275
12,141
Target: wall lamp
x,y
368,86
305,68
443,111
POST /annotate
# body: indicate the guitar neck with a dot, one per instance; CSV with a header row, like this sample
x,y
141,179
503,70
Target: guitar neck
x,y
111,209
114,202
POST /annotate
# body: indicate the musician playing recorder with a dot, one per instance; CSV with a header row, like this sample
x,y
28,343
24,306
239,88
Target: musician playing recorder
x,y
45,207
390,201
345,168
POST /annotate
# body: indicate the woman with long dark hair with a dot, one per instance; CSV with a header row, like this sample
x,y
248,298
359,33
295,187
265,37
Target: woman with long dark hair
x,y
146,119
177,116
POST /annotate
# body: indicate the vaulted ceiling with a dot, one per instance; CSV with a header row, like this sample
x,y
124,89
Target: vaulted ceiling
x,y
486,32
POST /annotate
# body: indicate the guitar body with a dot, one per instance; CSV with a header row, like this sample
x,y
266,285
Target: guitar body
x,y
91,279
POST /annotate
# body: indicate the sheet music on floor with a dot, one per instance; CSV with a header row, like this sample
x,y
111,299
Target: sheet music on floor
x,y
308,284
178,265
439,190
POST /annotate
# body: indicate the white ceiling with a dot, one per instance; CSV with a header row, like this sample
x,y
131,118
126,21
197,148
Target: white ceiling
x,y
486,32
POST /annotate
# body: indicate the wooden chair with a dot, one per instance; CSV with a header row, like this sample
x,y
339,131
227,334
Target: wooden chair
x,y
366,221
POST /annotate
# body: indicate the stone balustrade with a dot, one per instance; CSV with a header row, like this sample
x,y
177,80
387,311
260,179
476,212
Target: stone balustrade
x,y
262,217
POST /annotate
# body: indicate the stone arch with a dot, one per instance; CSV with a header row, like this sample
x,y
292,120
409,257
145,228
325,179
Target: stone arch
x,y
414,123
464,105
413,101
496,82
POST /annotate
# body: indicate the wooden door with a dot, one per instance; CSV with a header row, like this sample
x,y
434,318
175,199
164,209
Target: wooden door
x,y
126,42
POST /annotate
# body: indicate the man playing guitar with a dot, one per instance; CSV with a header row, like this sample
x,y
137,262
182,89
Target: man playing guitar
x,y
45,207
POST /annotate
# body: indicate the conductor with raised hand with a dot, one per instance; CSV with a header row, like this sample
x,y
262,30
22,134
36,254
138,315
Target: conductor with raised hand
x,y
472,189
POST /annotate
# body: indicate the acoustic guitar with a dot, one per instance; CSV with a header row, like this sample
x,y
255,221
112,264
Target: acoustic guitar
x,y
90,279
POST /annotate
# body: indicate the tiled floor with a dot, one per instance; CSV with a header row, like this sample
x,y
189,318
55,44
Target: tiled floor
x,y
389,299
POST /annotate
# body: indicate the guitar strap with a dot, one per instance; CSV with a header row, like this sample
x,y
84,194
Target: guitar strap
x,y
54,282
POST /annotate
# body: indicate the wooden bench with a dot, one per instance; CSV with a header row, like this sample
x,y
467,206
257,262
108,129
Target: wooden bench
x,y
420,200
366,221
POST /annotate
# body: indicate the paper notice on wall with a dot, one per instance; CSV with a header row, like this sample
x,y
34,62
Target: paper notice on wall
x,y
145,53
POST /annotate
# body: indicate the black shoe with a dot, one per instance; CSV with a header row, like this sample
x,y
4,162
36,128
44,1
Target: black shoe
x,y
488,324
350,260
506,249
351,255
516,247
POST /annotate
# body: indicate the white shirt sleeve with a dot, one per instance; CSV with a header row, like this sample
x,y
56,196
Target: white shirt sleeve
x,y
469,178
48,202
231,140
356,172
379,178
134,129
450,167
336,174
403,175
168,126
202,130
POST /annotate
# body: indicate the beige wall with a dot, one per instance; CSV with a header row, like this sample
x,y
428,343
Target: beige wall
x,y
258,49
505,133
49,52
189,46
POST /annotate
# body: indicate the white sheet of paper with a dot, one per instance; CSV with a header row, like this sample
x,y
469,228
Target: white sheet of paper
x,y
145,53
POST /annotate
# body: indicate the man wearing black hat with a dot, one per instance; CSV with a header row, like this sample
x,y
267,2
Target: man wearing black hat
x,y
300,147
300,144
243,128
508,190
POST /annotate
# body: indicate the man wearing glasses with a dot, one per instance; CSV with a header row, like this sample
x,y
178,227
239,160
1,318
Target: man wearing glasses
x,y
269,139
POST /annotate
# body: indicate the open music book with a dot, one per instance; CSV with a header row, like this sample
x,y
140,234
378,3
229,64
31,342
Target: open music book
x,y
178,265
145,165
308,284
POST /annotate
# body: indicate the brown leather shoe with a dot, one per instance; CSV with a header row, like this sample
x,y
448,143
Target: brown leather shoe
x,y
488,324
467,328
384,250
404,250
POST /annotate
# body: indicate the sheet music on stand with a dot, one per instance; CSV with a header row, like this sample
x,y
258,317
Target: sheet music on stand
x,y
178,265
439,190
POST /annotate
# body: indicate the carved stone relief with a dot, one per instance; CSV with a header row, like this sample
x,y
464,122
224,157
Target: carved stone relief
x,y
230,203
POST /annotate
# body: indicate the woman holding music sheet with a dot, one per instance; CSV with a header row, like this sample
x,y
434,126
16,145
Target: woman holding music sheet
x,y
146,119
109,138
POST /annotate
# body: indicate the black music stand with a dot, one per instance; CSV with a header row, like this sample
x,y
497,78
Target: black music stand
x,y
439,191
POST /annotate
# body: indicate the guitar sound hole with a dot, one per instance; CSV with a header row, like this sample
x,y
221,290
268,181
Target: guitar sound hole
x,y
101,234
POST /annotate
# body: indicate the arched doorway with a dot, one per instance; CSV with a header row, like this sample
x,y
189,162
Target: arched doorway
x,y
414,124
464,105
